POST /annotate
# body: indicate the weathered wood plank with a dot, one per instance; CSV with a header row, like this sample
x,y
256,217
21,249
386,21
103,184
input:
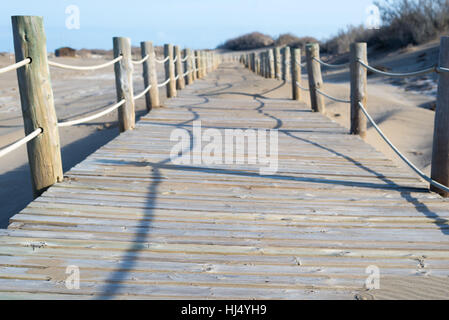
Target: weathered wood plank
x,y
141,227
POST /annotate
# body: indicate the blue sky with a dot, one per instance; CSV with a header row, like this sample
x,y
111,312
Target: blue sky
x,y
188,23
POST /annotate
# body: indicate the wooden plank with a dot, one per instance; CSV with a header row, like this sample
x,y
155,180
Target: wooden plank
x,y
140,227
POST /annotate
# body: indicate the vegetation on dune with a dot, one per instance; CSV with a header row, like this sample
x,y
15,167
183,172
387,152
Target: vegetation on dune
x,y
288,39
254,40
404,22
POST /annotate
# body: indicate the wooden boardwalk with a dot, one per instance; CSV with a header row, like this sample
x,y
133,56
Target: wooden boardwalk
x,y
138,226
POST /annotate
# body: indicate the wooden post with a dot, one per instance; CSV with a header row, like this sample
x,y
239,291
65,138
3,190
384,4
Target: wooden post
x,y
124,83
358,88
203,64
206,63
180,83
265,64
200,64
209,61
36,96
296,73
253,62
150,75
286,72
193,64
188,66
257,58
170,71
315,79
440,152
277,63
271,62
197,64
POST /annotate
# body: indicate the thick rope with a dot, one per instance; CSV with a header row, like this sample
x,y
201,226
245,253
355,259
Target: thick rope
x,y
343,65
302,88
186,73
162,61
20,142
100,66
404,158
175,59
185,59
141,61
144,92
441,69
332,98
93,117
15,65
160,85
398,75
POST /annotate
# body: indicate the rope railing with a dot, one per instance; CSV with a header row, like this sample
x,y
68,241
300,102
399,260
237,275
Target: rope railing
x,y
399,75
175,59
84,68
92,117
141,61
20,142
396,150
163,60
144,92
35,87
331,97
343,65
163,84
441,69
358,79
16,66
300,87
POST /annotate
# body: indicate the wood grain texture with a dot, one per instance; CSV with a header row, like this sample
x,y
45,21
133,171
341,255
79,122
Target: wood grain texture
x,y
36,96
271,61
440,151
277,63
315,78
286,66
150,75
141,227
187,53
179,70
358,88
197,64
170,71
296,73
124,83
